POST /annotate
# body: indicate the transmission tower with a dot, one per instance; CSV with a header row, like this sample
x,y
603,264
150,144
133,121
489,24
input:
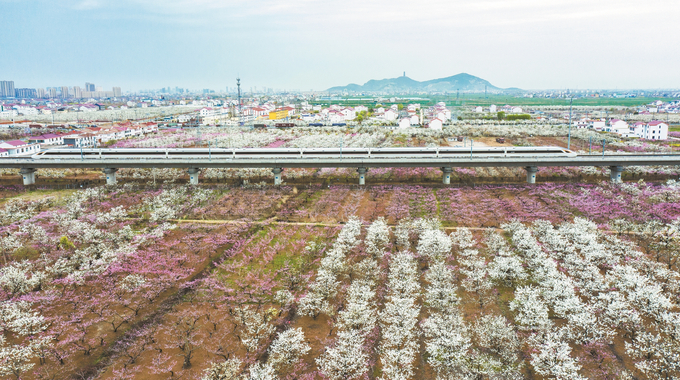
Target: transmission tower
x,y
238,85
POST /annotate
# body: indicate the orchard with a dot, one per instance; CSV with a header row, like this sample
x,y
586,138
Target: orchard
x,y
556,281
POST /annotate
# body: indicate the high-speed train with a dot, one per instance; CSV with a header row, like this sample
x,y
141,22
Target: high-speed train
x,y
274,153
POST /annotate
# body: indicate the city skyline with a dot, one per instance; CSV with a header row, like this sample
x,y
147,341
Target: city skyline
x,y
310,45
10,89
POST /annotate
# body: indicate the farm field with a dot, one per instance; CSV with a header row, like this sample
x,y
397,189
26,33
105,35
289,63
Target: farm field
x,y
556,280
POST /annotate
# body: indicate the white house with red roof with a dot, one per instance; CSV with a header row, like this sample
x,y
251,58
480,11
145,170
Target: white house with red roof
x,y
335,116
206,112
583,123
260,112
597,125
47,139
391,115
149,127
4,152
654,130
80,140
19,148
616,125
87,108
511,109
349,113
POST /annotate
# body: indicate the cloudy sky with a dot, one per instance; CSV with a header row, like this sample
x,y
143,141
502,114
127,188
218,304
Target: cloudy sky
x,y
316,44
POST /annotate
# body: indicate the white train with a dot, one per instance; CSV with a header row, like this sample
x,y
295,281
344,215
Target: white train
x,y
274,153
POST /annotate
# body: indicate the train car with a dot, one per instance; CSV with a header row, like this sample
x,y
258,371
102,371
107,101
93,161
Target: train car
x,y
274,153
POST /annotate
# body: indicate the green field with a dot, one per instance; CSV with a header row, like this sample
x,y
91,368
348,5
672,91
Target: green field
x,y
482,100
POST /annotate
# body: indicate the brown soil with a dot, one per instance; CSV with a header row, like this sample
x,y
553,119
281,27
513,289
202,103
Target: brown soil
x,y
482,141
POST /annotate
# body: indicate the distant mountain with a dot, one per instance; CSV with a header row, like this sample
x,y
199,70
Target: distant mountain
x,y
461,82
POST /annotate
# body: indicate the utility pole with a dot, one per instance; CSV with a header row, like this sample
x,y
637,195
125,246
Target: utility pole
x,y
342,142
571,100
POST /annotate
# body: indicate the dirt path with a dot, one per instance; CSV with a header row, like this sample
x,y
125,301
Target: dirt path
x,y
270,221
324,224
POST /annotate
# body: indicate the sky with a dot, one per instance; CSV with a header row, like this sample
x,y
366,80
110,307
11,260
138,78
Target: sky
x,y
317,44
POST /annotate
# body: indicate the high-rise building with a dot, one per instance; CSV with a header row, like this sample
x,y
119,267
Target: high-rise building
x,y
40,93
64,92
25,93
89,86
117,92
77,92
53,92
7,89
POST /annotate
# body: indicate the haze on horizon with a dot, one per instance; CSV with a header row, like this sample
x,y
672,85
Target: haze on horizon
x,y
312,44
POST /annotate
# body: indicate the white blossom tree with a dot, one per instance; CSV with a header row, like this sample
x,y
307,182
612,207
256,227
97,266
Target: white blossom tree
x,y
531,312
346,359
288,347
552,357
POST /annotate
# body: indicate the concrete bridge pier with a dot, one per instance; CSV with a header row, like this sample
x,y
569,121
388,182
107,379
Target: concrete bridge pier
x,y
362,175
277,175
110,175
447,175
193,175
531,173
615,174
29,176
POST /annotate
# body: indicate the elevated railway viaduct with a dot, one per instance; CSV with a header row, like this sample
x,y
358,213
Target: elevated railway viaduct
x,y
198,159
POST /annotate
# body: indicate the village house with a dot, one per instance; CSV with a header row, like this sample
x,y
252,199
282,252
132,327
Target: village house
x,y
597,125
206,112
616,125
80,140
391,115
47,139
405,123
334,116
654,130
19,148
349,113
436,124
